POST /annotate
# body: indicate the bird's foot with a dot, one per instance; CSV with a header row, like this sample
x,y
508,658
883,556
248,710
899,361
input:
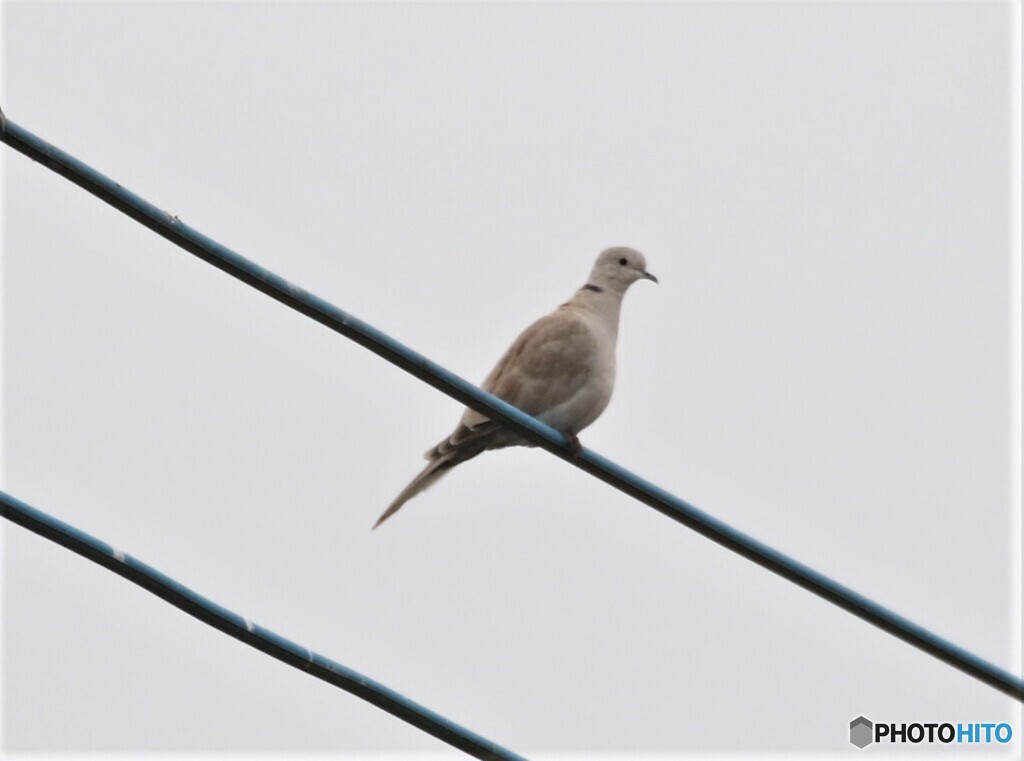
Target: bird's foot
x,y
572,443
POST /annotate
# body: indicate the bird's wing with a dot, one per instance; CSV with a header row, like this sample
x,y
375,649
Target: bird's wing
x,y
546,365
549,362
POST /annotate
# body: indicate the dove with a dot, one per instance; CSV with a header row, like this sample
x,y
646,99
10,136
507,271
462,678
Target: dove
x,y
560,370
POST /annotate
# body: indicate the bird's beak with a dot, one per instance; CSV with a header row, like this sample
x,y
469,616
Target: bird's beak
x,y
648,276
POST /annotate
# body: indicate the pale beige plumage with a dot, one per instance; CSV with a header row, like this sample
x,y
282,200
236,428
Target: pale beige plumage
x,y
561,370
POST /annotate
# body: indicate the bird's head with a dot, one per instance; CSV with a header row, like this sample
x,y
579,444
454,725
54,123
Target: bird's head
x,y
619,267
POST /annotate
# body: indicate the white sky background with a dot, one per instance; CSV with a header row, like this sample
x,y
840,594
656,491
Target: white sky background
x,y
823,191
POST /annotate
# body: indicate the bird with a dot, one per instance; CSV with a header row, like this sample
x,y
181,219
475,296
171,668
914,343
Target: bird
x,y
560,370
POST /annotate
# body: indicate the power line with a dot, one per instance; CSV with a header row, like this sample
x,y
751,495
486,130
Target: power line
x,y
529,428
256,636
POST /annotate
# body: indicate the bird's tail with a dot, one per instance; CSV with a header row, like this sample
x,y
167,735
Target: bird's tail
x,y
427,477
464,444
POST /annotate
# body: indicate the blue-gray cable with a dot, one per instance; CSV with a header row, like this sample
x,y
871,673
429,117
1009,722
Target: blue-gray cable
x,y
542,435
256,636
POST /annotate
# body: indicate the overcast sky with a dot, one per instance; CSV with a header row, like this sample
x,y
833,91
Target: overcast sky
x,y
824,192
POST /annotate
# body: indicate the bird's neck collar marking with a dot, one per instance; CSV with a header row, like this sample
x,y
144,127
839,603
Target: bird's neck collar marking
x,y
591,287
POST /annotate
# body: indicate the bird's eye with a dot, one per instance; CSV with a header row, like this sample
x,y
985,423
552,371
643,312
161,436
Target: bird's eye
x,y
622,262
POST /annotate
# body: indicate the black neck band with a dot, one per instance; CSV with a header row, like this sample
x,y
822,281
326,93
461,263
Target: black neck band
x,y
594,288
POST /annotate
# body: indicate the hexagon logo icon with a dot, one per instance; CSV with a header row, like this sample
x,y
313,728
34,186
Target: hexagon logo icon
x,y
861,732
